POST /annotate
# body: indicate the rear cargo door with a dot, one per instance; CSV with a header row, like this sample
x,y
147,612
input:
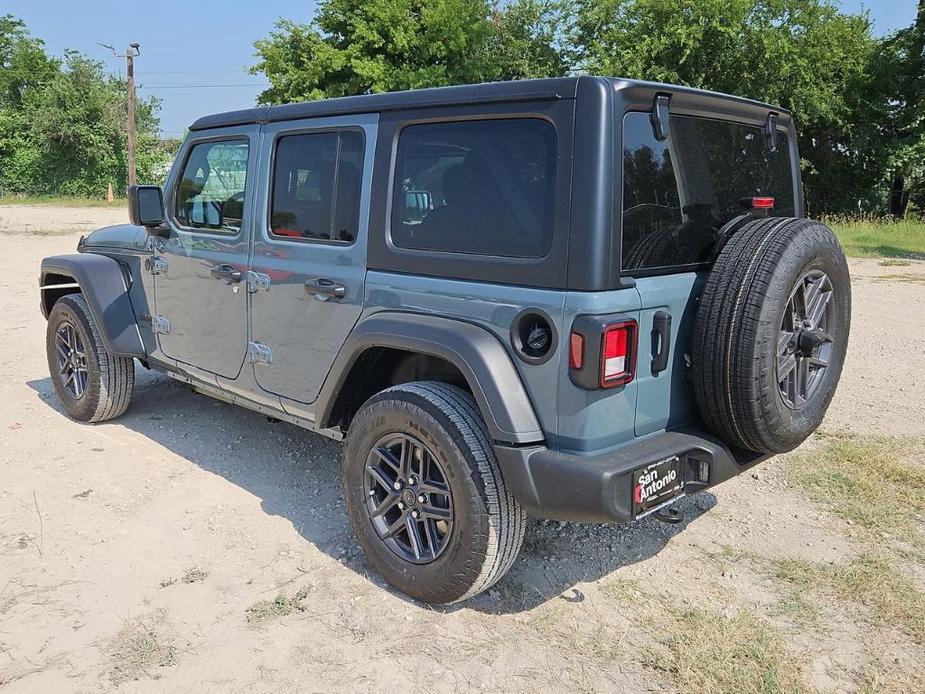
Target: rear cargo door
x,y
677,194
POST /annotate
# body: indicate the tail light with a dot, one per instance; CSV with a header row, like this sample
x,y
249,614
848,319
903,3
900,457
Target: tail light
x,y
602,351
618,354
760,207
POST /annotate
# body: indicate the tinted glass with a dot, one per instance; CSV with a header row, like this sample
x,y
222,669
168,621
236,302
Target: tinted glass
x,y
483,187
210,194
316,186
677,194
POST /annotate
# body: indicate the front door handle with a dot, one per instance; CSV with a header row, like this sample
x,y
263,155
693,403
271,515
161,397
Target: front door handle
x,y
661,341
324,286
226,273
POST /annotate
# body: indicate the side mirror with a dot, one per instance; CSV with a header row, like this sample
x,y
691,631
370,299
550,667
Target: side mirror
x,y
146,206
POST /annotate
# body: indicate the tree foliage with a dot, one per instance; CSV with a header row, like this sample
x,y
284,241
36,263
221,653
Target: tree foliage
x,y
805,55
857,100
63,122
367,46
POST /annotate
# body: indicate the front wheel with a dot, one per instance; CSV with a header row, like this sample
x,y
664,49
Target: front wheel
x,y
425,496
91,384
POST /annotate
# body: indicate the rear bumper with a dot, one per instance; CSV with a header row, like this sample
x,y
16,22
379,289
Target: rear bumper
x,y
598,488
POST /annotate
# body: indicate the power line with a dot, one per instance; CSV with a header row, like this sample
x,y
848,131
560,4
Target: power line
x,y
198,86
196,72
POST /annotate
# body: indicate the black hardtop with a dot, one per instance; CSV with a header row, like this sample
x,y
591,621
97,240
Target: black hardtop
x,y
491,92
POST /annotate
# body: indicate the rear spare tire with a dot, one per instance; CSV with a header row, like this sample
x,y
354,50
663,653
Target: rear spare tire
x,y
771,333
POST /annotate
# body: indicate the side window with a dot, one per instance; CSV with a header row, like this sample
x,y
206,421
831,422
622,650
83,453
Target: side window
x,y
316,186
677,194
483,187
210,193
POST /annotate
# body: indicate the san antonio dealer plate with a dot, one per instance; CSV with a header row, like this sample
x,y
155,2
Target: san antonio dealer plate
x,y
657,485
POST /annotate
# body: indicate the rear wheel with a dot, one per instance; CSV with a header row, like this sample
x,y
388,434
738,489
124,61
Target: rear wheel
x,y
425,496
91,384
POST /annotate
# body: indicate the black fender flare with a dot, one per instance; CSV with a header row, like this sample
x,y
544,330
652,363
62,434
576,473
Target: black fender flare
x,y
477,353
105,288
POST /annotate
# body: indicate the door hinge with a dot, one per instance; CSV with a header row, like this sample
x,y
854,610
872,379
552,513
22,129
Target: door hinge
x,y
257,281
156,265
160,325
258,353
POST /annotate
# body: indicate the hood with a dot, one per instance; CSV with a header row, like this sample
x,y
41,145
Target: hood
x,y
126,236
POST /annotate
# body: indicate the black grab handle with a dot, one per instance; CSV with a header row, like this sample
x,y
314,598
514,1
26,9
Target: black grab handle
x,y
661,328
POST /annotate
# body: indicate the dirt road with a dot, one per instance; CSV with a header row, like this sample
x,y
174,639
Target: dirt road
x,y
194,546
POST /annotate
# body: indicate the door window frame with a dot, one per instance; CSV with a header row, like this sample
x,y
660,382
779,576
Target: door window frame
x,y
174,184
271,181
367,123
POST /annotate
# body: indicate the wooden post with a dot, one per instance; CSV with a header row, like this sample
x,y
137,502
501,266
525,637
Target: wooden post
x,y
130,74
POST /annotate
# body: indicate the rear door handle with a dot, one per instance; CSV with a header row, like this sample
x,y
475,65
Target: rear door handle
x,y
226,273
661,341
324,286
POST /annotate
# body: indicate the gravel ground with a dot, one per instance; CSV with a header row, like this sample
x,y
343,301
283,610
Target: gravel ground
x,y
194,545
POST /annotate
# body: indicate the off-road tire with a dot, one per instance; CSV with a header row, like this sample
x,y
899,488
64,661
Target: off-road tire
x,y
488,524
110,379
734,348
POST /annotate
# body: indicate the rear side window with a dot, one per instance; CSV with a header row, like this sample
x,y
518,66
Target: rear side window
x,y
484,187
316,186
677,194
210,193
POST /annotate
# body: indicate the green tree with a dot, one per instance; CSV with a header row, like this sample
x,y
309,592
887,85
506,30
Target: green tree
x,y
63,123
898,73
366,46
527,39
805,55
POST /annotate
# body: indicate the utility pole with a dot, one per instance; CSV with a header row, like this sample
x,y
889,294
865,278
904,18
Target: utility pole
x,y
132,52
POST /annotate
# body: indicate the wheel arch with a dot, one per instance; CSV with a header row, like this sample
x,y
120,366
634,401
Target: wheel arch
x,y
468,350
104,286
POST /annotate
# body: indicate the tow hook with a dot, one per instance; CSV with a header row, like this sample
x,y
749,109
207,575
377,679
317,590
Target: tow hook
x,y
671,516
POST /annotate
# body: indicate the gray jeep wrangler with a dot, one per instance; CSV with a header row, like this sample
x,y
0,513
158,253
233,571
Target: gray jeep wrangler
x,y
581,298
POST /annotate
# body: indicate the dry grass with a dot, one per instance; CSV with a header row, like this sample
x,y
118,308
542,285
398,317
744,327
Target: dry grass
x,y
894,262
60,201
866,482
704,651
281,606
891,599
139,649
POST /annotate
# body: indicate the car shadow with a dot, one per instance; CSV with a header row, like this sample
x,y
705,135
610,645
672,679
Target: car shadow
x,y
296,475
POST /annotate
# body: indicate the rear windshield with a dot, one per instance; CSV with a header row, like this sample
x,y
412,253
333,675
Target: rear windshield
x,y
677,194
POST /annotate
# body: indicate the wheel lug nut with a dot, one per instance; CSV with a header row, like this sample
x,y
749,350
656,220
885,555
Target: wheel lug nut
x,y
415,513
396,485
401,506
412,481
422,499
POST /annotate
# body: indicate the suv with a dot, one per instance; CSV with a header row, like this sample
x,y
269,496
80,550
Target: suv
x,y
581,298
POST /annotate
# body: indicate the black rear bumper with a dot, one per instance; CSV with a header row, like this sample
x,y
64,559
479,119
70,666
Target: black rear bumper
x,y
598,488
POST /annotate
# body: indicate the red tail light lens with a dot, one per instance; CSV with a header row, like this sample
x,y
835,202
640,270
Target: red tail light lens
x,y
762,203
576,354
618,354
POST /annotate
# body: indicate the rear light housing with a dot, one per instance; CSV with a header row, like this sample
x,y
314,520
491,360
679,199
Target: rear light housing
x,y
602,351
618,354
760,207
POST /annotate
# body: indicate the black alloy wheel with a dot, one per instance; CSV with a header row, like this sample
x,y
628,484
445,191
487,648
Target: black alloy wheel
x,y
72,360
804,344
408,499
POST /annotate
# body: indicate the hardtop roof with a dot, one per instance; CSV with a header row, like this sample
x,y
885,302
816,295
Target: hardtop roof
x,y
518,90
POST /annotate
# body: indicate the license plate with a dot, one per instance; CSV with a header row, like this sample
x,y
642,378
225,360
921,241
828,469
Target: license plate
x,y
657,485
